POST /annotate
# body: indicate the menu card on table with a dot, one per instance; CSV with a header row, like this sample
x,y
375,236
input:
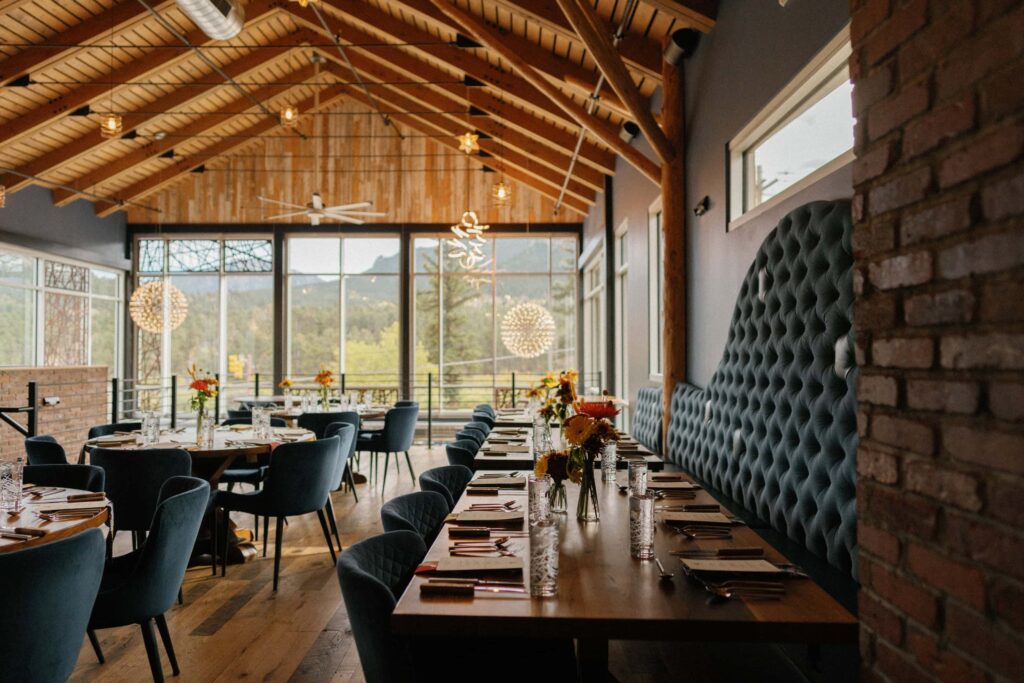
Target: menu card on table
x,y
696,518
488,517
462,566
655,483
507,448
731,566
503,482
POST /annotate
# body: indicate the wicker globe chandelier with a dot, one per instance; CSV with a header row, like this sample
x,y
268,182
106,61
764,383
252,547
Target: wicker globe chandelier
x,y
528,330
156,303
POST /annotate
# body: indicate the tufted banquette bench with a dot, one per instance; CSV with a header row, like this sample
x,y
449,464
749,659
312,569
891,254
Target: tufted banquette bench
x,y
774,433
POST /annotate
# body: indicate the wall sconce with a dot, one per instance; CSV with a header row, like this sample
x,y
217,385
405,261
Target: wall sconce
x,y
628,131
702,206
681,45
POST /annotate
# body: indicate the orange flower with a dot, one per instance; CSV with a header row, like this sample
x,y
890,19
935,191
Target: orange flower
x,y
325,377
578,429
598,409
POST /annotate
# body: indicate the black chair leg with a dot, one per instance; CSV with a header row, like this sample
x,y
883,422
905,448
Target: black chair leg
x,y
384,479
351,483
277,550
411,473
96,646
266,527
224,520
214,539
149,638
333,522
256,518
327,535
165,635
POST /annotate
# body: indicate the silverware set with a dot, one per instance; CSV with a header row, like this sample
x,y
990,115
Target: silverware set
x,y
469,587
702,531
498,547
721,553
745,589
507,506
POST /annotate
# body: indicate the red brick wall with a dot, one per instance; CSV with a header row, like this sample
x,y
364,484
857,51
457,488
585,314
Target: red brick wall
x,y
84,402
939,242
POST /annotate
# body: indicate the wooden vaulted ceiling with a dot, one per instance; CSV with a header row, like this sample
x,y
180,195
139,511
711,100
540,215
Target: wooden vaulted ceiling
x,y
63,63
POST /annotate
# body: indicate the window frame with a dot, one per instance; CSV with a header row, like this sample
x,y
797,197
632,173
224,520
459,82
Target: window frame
x,y
621,317
828,69
655,290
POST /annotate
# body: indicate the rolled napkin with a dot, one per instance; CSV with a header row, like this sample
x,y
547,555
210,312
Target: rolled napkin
x,y
478,517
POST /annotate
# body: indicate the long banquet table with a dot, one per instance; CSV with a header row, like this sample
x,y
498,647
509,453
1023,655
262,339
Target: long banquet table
x,y
604,594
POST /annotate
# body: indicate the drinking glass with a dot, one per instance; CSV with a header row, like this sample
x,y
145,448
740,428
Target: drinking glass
x,y
205,437
257,422
641,526
539,505
544,559
609,461
150,435
10,485
637,478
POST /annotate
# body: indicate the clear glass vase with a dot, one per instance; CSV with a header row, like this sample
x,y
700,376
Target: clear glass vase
x,y
587,507
201,418
558,501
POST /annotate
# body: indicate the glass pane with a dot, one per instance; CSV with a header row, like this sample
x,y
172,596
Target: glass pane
x,y
425,260
67,321
148,365
17,268
57,275
194,256
372,335
197,340
17,334
151,256
371,255
522,255
104,283
104,334
248,256
815,137
249,300
563,309
468,350
513,290
454,259
314,255
427,333
314,311
563,254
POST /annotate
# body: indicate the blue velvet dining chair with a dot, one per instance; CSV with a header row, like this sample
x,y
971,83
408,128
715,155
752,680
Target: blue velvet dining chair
x,y
470,435
317,422
49,591
484,418
346,434
462,452
140,586
485,408
239,413
44,450
350,417
133,482
247,420
450,481
419,511
479,426
406,403
396,437
97,431
82,477
298,482
373,573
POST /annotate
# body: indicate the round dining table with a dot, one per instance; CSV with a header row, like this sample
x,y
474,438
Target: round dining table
x,y
32,521
235,444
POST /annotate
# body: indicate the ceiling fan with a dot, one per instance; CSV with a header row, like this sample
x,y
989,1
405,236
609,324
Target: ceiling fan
x,y
316,211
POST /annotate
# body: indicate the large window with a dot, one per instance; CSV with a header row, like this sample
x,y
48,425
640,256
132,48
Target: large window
x,y
655,289
458,313
343,310
802,135
229,327
58,312
594,328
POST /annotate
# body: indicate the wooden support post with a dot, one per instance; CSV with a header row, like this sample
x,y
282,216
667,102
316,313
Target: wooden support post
x,y
673,224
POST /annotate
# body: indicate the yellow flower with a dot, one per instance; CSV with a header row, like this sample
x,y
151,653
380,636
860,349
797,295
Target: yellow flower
x,y
578,429
541,467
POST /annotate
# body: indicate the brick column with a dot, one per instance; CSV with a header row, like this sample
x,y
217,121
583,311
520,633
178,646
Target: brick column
x,y
939,317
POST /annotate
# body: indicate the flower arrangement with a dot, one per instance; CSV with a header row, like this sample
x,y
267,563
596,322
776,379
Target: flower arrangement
x,y
203,387
559,395
286,384
325,378
555,464
587,437
598,409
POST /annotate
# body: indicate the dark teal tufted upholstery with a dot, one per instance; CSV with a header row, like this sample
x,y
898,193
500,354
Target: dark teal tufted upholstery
x,y
776,427
647,418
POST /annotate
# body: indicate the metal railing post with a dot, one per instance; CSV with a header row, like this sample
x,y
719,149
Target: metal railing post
x,y
113,400
513,390
430,409
33,413
216,400
256,385
343,383
174,401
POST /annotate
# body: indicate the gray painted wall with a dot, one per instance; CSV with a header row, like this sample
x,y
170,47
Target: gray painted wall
x,y
74,231
755,49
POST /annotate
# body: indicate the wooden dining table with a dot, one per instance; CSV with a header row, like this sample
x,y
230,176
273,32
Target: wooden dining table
x,y
493,456
231,445
604,594
56,530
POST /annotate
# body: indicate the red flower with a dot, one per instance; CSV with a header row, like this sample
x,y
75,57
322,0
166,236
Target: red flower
x,y
598,409
200,385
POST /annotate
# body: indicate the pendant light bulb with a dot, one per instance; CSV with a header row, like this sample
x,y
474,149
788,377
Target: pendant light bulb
x,y
111,125
289,116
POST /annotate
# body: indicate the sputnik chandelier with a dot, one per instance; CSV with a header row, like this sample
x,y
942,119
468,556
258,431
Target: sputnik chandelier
x,y
528,330
467,245
158,305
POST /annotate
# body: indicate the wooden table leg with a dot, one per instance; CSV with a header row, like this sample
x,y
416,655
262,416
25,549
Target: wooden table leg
x,y
592,659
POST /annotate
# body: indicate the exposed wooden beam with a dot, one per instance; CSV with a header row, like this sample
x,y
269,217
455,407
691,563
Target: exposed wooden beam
x,y
418,97
55,158
154,148
155,182
604,131
120,16
697,14
449,127
524,120
158,60
588,25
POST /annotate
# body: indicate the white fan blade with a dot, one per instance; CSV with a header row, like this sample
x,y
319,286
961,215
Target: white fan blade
x,y
275,201
342,207
359,213
345,219
286,215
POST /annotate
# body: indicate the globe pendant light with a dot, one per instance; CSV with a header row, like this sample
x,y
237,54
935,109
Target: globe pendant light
x,y
158,305
528,330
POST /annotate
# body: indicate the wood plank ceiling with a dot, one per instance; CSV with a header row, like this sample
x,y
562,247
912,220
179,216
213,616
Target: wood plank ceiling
x,y
63,64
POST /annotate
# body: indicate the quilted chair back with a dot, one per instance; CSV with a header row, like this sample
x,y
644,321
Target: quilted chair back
x,y
776,427
647,418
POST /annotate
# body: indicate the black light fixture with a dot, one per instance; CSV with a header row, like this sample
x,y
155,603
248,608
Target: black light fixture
x,y
476,111
201,168
702,206
471,82
465,42
681,45
629,131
